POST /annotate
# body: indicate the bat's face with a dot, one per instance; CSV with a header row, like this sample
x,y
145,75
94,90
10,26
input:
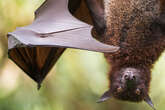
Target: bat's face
x,y
128,84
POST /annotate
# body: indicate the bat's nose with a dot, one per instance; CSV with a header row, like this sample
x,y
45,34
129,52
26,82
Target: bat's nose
x,y
129,77
130,80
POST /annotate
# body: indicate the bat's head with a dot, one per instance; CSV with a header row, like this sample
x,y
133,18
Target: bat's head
x,y
129,84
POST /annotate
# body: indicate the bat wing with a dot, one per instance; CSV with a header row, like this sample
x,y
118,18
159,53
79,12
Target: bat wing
x,y
36,62
37,47
54,26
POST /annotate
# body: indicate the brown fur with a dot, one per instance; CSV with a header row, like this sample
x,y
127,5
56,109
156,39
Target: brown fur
x,y
135,26
162,2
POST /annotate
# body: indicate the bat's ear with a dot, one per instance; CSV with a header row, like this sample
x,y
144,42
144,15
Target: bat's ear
x,y
107,95
148,100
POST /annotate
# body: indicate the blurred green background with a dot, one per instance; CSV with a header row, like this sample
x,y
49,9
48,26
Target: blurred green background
x,y
75,83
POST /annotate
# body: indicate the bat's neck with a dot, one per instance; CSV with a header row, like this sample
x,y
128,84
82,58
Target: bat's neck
x,y
127,18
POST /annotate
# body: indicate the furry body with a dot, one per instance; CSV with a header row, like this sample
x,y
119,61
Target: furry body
x,y
137,27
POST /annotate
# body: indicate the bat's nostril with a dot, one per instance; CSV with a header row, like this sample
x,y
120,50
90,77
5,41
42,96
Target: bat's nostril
x,y
134,77
126,77
129,77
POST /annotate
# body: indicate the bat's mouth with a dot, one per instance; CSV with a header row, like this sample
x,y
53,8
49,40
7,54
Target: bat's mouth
x,y
130,84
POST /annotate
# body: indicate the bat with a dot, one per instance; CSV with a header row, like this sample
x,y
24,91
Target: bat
x,y
37,47
138,28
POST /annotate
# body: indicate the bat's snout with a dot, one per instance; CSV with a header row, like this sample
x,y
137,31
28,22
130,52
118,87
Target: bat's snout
x,y
129,77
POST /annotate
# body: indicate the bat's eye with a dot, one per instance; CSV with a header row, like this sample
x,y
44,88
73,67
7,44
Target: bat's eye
x,y
137,92
119,89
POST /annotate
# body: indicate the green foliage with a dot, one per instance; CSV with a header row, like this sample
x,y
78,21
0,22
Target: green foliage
x,y
75,83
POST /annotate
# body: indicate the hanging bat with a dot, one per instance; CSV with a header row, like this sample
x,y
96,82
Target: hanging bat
x,y
36,48
138,28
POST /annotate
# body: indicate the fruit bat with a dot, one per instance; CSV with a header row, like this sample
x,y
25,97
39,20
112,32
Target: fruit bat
x,y
36,48
138,28
135,26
